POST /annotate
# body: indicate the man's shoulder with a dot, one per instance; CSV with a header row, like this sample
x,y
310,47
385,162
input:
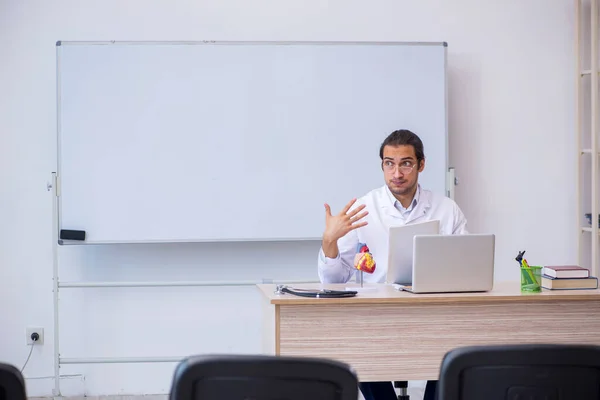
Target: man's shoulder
x,y
440,200
372,194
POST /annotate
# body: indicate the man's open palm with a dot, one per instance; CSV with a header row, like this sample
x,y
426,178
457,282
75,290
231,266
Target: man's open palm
x,y
337,226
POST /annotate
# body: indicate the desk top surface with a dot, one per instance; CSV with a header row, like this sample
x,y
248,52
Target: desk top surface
x,y
383,293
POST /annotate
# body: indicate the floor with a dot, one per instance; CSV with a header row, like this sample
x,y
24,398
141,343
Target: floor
x,y
415,391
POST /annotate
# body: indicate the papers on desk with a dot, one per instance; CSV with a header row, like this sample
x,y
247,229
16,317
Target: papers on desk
x,y
362,289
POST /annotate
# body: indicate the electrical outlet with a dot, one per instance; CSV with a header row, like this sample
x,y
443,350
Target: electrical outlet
x,y
39,331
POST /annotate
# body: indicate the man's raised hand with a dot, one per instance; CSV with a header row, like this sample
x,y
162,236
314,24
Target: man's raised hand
x,y
337,226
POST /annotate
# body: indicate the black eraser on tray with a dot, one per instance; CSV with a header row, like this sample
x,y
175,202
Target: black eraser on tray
x,y
70,234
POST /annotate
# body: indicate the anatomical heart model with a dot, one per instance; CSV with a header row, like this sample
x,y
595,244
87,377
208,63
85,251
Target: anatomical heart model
x,y
363,260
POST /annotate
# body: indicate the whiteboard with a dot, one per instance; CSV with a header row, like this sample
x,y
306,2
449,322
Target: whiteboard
x,y
219,141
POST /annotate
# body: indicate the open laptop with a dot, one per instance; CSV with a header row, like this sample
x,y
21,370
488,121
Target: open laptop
x,y
452,263
400,249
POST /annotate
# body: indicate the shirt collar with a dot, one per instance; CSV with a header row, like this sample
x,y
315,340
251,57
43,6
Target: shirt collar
x,y
399,205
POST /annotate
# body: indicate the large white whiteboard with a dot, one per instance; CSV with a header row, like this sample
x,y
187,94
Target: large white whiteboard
x,y
212,141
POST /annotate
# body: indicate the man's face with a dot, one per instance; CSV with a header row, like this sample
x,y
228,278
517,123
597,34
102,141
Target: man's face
x,y
400,169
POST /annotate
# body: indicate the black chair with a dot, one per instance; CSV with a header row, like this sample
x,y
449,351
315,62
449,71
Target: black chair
x,y
528,372
12,384
249,377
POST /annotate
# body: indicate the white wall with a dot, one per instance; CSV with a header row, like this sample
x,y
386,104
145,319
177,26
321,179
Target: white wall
x,y
511,122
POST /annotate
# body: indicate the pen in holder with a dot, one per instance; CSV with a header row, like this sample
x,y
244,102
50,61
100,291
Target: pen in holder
x,y
530,275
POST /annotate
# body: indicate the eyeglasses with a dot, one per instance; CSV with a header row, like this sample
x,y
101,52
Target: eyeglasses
x,y
406,167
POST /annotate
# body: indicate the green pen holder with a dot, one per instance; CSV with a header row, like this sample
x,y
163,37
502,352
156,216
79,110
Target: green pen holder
x,y
531,279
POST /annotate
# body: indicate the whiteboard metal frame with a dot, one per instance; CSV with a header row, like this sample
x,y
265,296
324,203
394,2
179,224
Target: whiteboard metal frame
x,y
249,42
54,186
57,285
451,180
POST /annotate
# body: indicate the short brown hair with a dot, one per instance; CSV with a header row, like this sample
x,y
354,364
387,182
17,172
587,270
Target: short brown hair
x,y
404,137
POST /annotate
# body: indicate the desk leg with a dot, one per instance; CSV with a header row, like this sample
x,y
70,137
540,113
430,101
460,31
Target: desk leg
x,y
270,328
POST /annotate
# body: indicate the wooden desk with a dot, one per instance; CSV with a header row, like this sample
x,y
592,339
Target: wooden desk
x,y
391,335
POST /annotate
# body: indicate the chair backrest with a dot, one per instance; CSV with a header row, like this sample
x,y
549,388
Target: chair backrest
x,y
12,384
532,372
262,377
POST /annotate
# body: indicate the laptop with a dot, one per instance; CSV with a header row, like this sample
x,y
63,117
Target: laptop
x,y
400,249
452,263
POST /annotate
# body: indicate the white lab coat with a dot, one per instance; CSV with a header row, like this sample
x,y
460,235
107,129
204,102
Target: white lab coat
x,y
383,214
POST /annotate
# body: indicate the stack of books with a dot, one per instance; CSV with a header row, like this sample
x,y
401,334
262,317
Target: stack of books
x,y
567,277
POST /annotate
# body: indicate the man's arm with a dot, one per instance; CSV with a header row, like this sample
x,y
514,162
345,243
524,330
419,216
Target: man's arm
x,y
460,222
336,256
340,268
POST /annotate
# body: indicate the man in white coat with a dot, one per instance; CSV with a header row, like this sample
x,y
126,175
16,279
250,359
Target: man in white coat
x,y
367,220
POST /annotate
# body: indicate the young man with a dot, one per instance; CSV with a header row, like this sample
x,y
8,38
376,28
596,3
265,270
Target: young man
x,y
400,201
